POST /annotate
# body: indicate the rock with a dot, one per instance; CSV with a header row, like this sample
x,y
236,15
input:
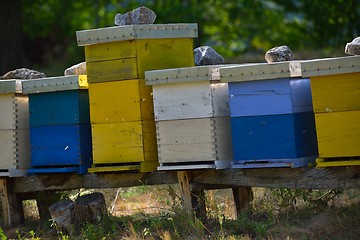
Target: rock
x,y
353,48
23,73
206,55
78,69
141,15
279,54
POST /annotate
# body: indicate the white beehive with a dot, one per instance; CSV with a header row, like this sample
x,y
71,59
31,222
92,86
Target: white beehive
x,y
192,118
14,130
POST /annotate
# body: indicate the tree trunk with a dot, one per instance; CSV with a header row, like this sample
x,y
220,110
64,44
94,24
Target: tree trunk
x,y
62,215
11,52
89,208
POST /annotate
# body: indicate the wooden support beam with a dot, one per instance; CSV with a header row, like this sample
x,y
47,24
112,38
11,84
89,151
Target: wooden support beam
x,y
242,198
198,200
11,204
184,178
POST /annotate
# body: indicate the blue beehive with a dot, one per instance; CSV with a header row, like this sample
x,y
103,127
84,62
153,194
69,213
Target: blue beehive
x,y
60,131
272,117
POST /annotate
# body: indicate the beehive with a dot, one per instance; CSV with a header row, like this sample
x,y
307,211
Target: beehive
x,y
14,130
271,113
126,52
335,86
192,118
60,133
121,105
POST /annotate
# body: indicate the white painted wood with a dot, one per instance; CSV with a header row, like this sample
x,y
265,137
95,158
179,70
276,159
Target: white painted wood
x,y
186,167
194,140
181,75
15,150
329,66
10,86
130,32
260,71
7,108
182,101
53,84
190,100
14,111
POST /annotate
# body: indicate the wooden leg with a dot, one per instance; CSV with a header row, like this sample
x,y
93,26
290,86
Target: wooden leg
x,y
242,198
184,178
198,201
11,204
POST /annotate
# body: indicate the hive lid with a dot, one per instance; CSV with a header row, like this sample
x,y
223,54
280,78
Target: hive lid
x,y
187,74
54,84
10,86
260,71
330,66
130,32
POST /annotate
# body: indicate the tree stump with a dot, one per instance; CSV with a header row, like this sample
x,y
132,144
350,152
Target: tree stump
x,y
62,215
89,208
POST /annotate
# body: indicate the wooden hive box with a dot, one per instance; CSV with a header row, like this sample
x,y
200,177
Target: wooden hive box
x,y
126,52
14,130
335,86
60,133
192,118
123,127
272,119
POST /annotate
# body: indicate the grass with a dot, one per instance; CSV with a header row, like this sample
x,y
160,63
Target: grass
x,y
156,213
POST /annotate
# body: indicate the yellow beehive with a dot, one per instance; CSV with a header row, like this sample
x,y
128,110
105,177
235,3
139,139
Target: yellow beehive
x,y
126,52
335,86
121,105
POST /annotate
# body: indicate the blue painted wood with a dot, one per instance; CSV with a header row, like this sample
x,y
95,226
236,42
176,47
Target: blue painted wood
x,y
274,163
282,136
59,108
269,97
81,169
63,145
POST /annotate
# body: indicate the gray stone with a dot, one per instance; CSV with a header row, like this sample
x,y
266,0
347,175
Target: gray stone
x,y
206,55
279,54
141,15
77,69
23,73
353,48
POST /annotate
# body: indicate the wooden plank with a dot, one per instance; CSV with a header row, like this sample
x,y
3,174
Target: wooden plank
x,y
13,211
338,92
54,84
329,66
260,71
242,198
110,51
338,133
329,162
8,111
112,70
154,54
120,101
129,32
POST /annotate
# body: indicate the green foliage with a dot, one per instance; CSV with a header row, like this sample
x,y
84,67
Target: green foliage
x,y
2,235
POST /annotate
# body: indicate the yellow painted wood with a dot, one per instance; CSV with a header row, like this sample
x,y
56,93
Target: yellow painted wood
x,y
321,162
338,134
113,168
111,70
124,142
339,92
110,51
120,101
153,54
148,166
